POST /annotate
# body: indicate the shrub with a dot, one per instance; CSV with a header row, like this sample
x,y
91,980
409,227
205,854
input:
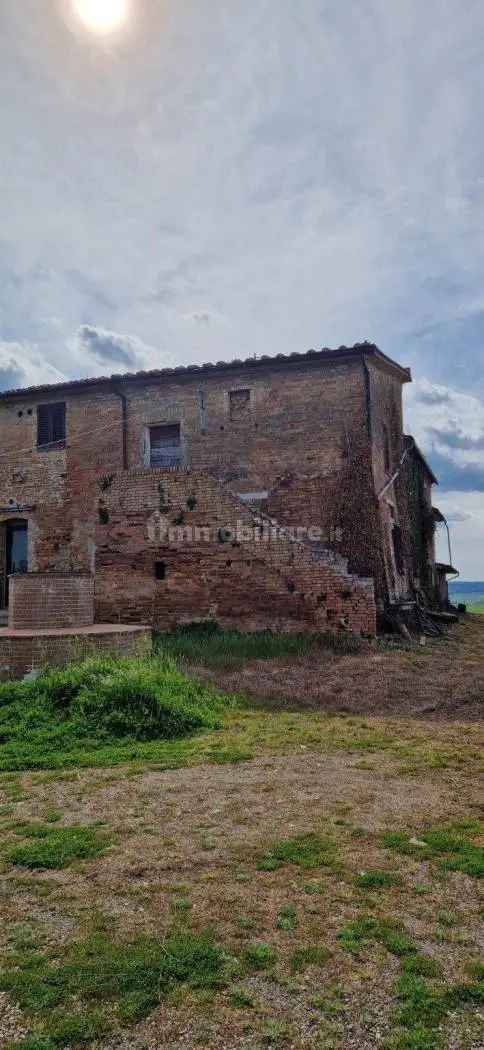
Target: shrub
x,y
101,701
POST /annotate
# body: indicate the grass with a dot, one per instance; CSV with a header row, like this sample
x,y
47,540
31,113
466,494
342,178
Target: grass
x,y
376,879
324,909
98,705
206,644
56,847
308,955
132,978
306,851
450,844
259,956
367,929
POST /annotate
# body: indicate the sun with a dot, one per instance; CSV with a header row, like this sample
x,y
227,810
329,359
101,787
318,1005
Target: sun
x,y
102,16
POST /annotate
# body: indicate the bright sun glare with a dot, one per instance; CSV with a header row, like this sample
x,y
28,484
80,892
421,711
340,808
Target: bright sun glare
x,y
102,16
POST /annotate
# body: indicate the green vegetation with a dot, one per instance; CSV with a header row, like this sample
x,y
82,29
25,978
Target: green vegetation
x,y
259,956
208,645
131,977
308,955
374,879
389,932
55,847
449,844
97,705
306,851
287,918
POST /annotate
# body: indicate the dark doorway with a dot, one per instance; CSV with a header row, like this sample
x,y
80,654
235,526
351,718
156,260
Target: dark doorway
x,y
16,554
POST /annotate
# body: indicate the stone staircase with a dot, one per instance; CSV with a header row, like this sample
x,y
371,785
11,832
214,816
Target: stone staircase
x,y
348,599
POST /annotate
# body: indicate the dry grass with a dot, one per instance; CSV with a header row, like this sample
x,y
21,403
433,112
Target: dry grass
x,y
443,679
186,849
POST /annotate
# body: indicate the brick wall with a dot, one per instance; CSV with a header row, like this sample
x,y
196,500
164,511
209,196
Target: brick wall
x,y
242,579
302,437
45,600
21,652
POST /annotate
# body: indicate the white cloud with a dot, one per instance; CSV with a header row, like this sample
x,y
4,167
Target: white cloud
x,y
467,535
22,364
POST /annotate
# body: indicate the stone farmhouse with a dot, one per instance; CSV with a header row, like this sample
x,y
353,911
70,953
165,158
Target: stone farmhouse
x,y
273,492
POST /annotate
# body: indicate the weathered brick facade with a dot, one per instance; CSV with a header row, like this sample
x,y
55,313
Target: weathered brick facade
x,y
300,439
41,600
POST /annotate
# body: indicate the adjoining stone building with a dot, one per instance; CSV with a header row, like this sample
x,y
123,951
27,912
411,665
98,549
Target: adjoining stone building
x,y
273,492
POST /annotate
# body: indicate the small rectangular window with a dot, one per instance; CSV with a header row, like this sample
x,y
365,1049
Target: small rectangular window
x,y
239,404
165,446
51,425
160,570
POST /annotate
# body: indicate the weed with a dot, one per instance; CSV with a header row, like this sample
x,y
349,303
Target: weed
x,y
287,918
306,851
259,956
241,999
182,904
366,929
56,847
308,955
376,879
274,1032
420,966
448,844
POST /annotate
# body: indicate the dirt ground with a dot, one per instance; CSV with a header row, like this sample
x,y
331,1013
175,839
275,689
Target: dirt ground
x,y
443,679
186,845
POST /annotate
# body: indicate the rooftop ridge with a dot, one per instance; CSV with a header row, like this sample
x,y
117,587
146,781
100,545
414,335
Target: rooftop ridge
x,y
265,360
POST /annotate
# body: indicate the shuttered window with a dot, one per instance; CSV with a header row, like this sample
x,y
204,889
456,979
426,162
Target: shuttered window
x,y
165,446
51,425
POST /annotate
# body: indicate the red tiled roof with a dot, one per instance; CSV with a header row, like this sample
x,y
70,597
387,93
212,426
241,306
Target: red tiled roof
x,y
324,355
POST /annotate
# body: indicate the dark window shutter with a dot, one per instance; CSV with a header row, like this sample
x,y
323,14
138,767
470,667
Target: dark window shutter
x,y
51,424
43,425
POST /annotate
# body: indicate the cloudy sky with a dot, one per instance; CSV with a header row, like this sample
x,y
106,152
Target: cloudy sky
x,y
254,176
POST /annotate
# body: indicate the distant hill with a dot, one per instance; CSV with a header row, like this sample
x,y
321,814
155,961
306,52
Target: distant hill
x,y
463,587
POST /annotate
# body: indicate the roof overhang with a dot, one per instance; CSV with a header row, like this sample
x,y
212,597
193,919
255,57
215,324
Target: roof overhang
x,y
279,362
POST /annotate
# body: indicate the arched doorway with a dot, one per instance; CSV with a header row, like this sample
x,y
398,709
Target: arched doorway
x,y
15,553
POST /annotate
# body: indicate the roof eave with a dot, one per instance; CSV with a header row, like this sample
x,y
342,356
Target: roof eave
x,y
279,361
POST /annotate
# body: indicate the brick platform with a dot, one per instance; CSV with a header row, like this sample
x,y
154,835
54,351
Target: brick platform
x,y
22,651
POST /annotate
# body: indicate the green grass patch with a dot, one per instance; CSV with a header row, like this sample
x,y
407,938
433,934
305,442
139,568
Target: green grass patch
x,y
259,956
308,955
306,851
376,879
99,706
67,997
53,847
209,646
367,929
287,918
449,844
